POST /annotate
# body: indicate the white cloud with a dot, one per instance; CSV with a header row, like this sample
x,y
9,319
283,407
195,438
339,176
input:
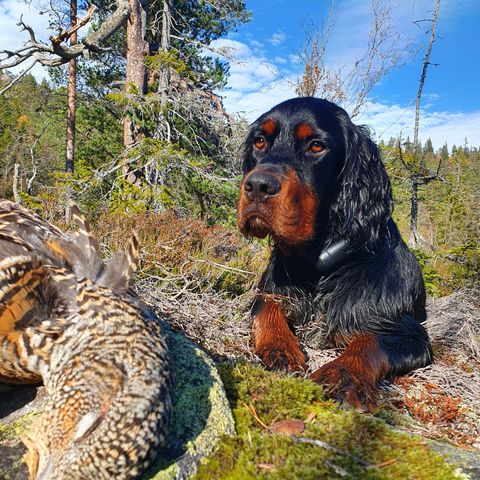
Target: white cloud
x,y
277,38
256,43
255,83
248,71
294,58
253,103
441,126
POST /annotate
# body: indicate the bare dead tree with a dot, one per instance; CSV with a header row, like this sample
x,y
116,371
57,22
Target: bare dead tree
x,y
426,63
57,52
419,174
316,75
350,86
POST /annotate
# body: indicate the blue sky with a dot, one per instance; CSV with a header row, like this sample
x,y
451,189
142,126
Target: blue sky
x,y
267,64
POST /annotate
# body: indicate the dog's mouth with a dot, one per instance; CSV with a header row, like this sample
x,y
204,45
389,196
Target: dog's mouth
x,y
254,221
257,226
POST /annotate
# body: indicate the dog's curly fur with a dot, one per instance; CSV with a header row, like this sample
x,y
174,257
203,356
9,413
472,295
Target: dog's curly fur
x,y
316,184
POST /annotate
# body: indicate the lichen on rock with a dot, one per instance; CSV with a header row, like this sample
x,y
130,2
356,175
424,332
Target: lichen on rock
x,y
202,413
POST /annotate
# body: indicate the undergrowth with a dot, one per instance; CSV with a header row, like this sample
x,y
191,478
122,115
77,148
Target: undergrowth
x,y
186,252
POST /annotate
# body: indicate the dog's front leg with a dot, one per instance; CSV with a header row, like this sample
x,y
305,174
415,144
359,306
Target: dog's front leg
x,y
273,340
354,375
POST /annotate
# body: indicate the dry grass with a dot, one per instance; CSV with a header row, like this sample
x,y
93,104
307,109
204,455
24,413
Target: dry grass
x,y
199,278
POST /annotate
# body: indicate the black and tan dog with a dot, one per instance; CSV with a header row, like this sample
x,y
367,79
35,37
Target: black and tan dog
x,y
316,184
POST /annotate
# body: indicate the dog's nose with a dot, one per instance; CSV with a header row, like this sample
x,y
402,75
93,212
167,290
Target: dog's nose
x,y
260,186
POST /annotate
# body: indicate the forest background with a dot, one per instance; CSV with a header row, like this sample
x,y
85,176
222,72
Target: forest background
x,y
130,125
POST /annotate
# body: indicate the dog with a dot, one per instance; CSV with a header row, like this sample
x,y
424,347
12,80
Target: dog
x,y
315,184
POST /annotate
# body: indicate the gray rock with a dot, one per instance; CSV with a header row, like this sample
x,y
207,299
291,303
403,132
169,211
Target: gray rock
x,y
467,460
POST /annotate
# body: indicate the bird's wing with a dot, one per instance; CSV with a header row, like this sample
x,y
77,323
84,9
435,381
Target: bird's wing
x,y
32,315
22,232
40,271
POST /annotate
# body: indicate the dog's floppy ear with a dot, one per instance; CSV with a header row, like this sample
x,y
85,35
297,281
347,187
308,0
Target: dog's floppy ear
x,y
248,161
364,202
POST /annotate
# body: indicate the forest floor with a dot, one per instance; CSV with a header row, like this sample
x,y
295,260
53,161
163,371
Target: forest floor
x,y
208,299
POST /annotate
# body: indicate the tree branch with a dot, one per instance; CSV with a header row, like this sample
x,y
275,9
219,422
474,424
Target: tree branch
x,y
57,52
17,78
66,34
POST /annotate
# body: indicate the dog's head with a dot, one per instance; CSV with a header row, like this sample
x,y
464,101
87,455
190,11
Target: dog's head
x,y
310,173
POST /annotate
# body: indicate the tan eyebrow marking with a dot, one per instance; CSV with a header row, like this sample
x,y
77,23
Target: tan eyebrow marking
x,y
269,126
304,131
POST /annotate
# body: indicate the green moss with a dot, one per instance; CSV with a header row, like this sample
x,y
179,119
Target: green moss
x,y
12,430
357,439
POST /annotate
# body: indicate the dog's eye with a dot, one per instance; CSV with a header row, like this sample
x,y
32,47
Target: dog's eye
x,y
316,147
259,143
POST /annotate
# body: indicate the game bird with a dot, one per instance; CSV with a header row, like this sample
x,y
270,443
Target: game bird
x,y
71,321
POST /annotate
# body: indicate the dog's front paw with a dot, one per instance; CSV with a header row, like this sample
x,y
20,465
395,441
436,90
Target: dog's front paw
x,y
346,384
275,357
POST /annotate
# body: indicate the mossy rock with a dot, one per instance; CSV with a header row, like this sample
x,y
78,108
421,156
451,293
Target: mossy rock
x,y
202,416
335,442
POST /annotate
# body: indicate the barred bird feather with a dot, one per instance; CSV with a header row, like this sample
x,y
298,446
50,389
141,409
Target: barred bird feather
x,y
73,322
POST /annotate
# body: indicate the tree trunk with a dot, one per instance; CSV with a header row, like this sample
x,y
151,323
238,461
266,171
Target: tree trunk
x,y
16,173
164,73
71,95
414,238
163,128
135,80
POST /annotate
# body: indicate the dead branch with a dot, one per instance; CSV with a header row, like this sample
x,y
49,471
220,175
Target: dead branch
x,y
254,413
17,78
57,52
316,77
426,63
337,451
65,35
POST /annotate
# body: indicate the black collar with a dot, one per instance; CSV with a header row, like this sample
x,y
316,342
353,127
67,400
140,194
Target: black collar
x,y
341,249
329,258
